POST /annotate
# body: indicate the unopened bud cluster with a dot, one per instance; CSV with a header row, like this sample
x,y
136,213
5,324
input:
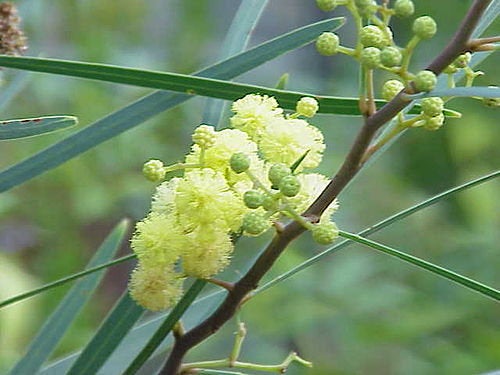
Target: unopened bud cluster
x,y
376,49
237,180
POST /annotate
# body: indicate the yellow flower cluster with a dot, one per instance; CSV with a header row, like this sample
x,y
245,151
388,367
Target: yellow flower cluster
x,y
236,180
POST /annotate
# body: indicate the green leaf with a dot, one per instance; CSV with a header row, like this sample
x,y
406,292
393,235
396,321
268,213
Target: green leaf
x,y
64,280
29,127
377,227
440,271
236,40
160,334
182,83
487,19
57,324
121,319
477,91
153,104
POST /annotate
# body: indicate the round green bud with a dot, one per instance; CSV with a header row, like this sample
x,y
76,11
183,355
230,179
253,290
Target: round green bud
x,y
391,88
254,223
307,106
277,172
327,44
463,60
391,56
366,8
253,198
326,5
433,123
425,80
204,136
371,36
154,170
270,203
403,8
387,37
432,106
325,233
424,27
370,57
289,186
239,162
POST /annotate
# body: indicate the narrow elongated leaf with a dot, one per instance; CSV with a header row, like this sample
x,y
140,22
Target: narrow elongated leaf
x,y
182,83
29,127
490,15
153,104
55,327
484,92
236,40
476,286
123,316
64,280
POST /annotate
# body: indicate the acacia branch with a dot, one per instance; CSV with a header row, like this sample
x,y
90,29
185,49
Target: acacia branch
x,y
350,167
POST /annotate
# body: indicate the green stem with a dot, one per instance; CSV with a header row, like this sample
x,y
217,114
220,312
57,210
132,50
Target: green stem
x,y
401,126
407,53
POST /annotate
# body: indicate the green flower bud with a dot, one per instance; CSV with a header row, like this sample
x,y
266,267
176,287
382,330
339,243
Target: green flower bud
x,y
307,106
371,36
424,27
289,186
387,37
391,88
154,170
366,8
270,203
277,172
325,233
239,162
204,136
463,60
326,5
391,56
432,106
425,80
433,123
327,44
253,198
403,8
254,223
370,57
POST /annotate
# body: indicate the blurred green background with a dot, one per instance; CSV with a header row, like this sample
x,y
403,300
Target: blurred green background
x,y
356,312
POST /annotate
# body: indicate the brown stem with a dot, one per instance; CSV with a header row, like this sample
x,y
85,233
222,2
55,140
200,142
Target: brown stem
x,y
352,164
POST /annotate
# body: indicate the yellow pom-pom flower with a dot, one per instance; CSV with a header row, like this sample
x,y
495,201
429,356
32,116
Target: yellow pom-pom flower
x,y
208,252
253,113
312,184
155,287
203,198
163,198
158,240
287,140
